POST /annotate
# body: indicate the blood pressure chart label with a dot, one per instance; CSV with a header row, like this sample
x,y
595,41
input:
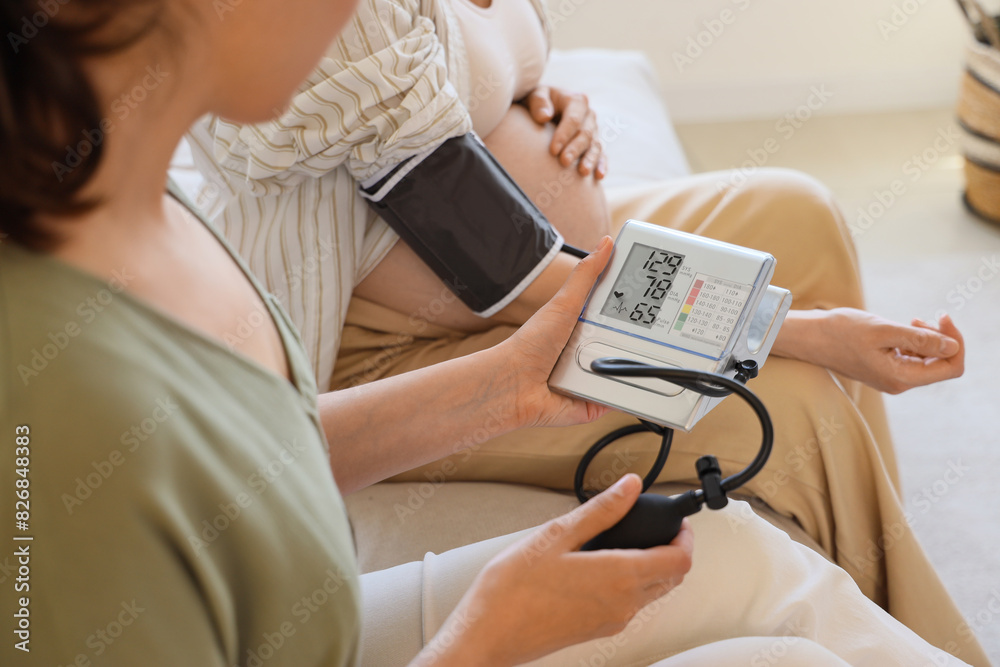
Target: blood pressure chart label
x,y
711,310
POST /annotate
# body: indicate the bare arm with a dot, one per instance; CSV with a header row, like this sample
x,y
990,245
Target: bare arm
x,y
405,284
888,356
541,594
385,427
574,204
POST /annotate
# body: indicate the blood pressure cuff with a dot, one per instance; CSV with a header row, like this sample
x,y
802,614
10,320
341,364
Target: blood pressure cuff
x,y
467,219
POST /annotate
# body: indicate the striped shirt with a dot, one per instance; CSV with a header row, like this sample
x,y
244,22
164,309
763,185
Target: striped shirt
x,y
394,85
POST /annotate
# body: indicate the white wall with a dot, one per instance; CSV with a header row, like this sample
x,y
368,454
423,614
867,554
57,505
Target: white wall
x,y
761,58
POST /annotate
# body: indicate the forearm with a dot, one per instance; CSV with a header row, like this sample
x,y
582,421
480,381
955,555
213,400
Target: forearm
x,y
397,424
797,337
885,355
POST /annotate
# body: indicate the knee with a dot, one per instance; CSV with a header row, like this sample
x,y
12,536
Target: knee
x,y
794,217
791,184
795,204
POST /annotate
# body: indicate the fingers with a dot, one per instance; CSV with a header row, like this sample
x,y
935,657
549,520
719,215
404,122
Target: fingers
x,y
592,157
602,167
915,369
537,344
652,572
685,538
540,105
921,342
930,354
948,328
596,515
568,302
916,372
582,142
572,110
668,564
602,511
576,134
587,412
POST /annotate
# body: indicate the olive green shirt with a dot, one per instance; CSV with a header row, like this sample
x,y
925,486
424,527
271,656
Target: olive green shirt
x,y
179,496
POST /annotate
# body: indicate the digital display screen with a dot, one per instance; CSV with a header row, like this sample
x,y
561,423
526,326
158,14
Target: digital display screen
x,y
642,285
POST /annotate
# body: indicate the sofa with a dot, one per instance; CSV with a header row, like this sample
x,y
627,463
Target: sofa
x,y
396,523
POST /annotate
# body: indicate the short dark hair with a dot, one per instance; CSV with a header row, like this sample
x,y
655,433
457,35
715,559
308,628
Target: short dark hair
x,y
47,103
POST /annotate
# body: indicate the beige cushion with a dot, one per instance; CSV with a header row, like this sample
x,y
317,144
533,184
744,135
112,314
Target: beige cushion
x,y
396,523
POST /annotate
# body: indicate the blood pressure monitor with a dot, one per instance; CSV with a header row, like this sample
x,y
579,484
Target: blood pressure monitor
x,y
671,299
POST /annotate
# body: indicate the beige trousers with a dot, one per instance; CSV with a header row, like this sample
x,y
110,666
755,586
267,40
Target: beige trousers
x,y
753,598
833,468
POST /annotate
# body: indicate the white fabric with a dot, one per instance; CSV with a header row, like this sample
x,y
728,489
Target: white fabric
x,y
506,48
635,126
398,522
394,85
748,580
287,189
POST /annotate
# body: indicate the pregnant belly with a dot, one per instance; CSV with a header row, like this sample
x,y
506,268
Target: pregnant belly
x,y
574,204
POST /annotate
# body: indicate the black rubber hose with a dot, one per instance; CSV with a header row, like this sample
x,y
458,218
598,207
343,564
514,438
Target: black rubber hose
x,y
703,382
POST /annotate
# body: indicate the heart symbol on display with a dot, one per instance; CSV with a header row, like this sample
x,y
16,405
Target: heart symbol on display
x,y
619,294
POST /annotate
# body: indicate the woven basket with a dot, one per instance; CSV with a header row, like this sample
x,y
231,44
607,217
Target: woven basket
x,y
979,113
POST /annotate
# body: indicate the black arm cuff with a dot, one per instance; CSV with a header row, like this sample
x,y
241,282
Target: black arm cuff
x,y
467,219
